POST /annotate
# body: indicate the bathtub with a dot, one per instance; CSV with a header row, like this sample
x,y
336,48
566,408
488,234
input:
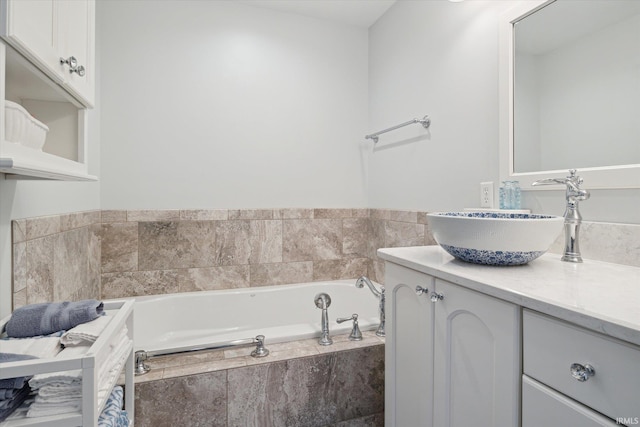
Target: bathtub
x,y
280,313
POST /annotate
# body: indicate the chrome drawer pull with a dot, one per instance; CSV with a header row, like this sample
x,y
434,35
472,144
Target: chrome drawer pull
x,y
582,372
420,290
435,297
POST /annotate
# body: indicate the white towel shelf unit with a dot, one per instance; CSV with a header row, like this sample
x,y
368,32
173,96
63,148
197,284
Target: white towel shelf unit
x,y
92,400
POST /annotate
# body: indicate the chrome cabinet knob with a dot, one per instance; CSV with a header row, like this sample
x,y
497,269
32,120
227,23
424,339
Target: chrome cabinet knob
x,y
435,297
582,372
420,290
80,70
71,61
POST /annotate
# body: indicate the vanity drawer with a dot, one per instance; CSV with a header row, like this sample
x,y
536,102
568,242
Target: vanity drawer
x,y
542,406
551,346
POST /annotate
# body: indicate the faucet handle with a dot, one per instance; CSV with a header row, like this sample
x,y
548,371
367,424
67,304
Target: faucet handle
x,y
572,183
573,177
355,335
353,317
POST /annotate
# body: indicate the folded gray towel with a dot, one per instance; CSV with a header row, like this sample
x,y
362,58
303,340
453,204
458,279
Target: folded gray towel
x,y
9,385
14,403
8,393
42,319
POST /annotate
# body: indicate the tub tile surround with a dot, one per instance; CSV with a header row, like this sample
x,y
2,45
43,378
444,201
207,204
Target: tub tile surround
x,y
124,253
300,383
150,252
56,258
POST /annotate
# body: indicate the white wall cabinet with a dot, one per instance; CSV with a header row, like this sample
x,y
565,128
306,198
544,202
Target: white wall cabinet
x,y
35,35
453,362
45,31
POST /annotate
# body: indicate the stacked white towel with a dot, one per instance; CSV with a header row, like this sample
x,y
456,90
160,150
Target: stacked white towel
x,y
58,392
85,333
61,392
16,390
41,348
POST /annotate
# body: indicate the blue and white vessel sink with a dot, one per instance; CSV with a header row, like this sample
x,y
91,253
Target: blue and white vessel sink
x,y
495,238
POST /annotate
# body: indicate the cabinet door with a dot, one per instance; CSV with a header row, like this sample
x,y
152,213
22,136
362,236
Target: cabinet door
x,y
76,33
31,27
477,359
409,349
542,406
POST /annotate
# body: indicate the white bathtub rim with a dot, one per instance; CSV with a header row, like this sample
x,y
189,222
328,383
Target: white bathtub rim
x,y
231,291
274,334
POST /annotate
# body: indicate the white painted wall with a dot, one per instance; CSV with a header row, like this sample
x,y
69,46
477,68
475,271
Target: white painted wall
x,y
211,104
437,58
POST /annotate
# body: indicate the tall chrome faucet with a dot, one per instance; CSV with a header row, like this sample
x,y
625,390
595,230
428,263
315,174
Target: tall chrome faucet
x,y
362,280
323,301
572,217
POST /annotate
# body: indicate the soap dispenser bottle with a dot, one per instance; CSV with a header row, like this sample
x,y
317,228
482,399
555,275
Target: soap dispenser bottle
x,y
510,195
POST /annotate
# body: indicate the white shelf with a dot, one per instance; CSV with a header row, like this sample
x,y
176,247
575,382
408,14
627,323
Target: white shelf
x,y
98,353
24,161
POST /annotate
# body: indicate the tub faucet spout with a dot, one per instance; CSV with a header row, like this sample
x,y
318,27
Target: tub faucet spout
x,y
572,217
323,301
362,280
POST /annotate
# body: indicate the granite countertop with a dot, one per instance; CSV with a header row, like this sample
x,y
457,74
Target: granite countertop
x,y
600,296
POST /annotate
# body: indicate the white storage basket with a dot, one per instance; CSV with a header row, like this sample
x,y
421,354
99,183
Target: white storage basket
x,y
22,128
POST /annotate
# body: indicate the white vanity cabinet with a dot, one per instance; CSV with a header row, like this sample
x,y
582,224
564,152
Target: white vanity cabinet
x,y
505,346
452,354
44,31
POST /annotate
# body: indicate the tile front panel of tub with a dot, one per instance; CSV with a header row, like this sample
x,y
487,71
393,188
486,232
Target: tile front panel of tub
x,y
344,388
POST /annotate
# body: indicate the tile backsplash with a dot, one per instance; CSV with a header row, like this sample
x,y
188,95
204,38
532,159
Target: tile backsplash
x,y
617,243
124,253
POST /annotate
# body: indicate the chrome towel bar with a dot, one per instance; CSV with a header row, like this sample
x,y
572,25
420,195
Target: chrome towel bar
x,y
141,356
425,122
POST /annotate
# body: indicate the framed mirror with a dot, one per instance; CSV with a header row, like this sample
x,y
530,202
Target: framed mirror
x,y
570,92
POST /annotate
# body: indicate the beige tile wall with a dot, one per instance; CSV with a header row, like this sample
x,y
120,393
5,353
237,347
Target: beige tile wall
x,y
56,258
152,252
121,253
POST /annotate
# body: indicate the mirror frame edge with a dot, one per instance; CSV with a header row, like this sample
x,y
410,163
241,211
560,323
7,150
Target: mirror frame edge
x,y
606,177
